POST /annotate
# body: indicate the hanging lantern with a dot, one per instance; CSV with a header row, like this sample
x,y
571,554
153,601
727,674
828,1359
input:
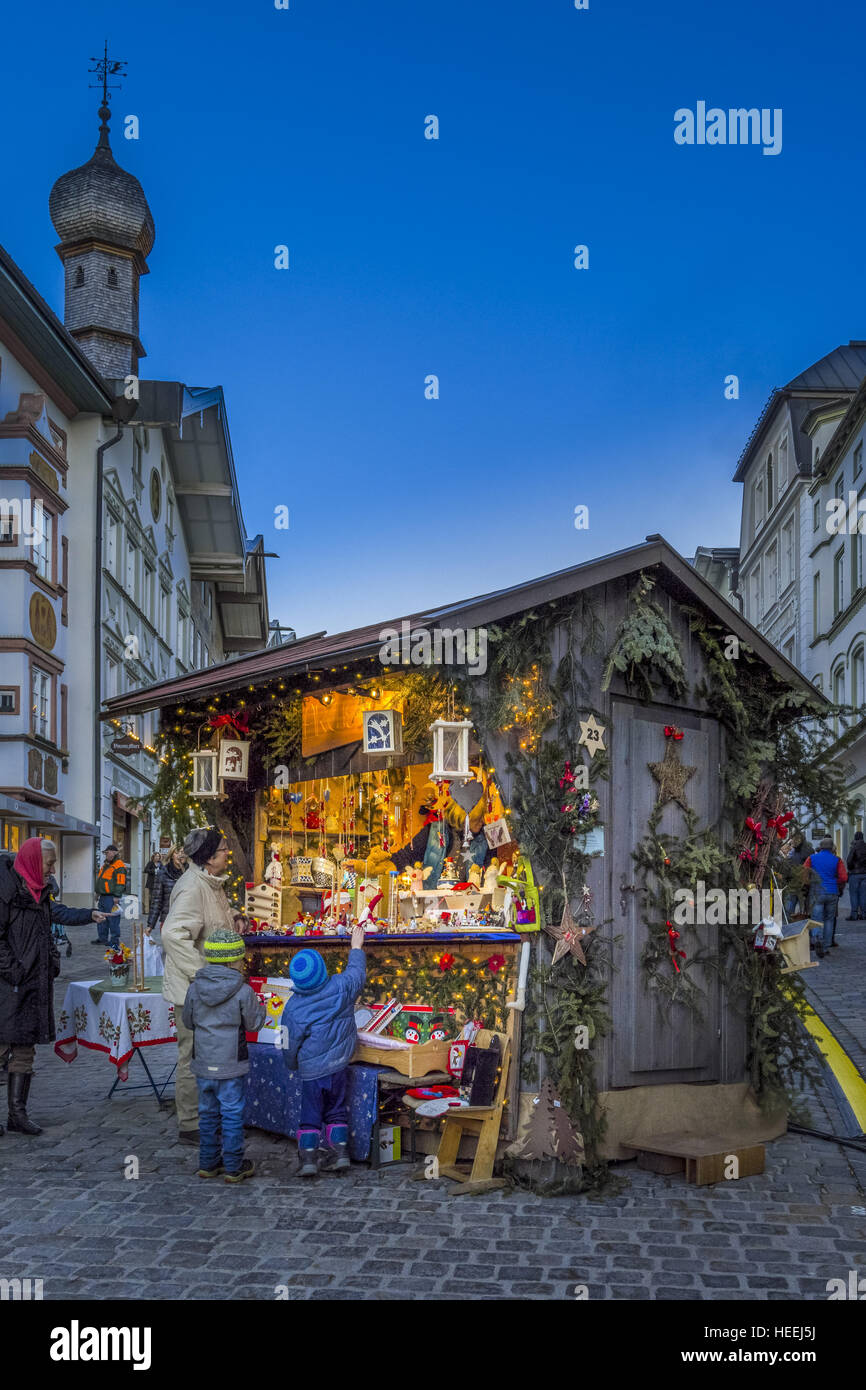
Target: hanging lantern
x,y
451,750
204,774
234,759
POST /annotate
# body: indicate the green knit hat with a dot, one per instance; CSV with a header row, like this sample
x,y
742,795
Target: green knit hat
x,y
224,946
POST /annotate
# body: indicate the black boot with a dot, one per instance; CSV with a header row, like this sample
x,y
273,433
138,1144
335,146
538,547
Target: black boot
x,y
19,1090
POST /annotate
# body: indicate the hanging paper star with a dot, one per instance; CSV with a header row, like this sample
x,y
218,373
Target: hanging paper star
x,y
592,735
672,776
568,936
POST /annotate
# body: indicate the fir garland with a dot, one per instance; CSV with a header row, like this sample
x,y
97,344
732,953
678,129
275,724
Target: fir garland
x,y
645,650
171,801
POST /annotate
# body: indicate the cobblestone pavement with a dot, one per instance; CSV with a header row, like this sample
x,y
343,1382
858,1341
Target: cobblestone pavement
x,y
70,1217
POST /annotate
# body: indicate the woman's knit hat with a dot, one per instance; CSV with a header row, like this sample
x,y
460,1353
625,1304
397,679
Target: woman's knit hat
x,y
202,844
224,946
307,971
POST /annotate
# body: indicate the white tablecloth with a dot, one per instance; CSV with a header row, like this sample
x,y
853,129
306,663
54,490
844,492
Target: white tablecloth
x,y
119,1023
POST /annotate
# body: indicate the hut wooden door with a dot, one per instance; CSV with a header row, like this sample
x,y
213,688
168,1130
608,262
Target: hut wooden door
x,y
654,1041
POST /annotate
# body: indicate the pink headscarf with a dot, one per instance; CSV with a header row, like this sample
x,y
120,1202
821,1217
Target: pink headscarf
x,y
28,863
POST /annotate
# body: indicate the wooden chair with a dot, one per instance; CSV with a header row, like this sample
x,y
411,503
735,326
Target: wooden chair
x,y
484,1122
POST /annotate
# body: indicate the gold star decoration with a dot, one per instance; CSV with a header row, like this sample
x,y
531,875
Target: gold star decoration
x,y
672,776
592,735
568,937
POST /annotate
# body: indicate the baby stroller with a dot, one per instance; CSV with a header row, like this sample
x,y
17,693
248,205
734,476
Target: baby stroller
x,y
58,931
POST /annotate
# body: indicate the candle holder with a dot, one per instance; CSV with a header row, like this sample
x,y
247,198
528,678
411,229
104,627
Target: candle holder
x,y
138,985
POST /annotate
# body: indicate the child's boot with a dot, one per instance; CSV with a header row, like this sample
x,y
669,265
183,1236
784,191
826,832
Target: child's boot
x,y
336,1147
308,1152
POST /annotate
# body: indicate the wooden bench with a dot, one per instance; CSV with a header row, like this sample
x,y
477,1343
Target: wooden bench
x,y
704,1158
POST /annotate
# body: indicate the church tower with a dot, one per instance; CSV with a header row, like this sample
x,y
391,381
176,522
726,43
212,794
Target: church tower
x,y
106,233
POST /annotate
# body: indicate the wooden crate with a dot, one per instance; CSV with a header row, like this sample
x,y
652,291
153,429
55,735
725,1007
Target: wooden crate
x,y
706,1157
413,1060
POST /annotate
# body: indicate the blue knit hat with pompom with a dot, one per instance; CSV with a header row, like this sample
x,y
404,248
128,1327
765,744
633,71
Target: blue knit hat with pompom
x,y
307,970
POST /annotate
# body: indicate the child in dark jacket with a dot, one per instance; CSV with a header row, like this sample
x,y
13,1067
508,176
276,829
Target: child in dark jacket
x,y
320,1037
220,1008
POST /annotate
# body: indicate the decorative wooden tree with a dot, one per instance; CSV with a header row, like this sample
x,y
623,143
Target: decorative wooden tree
x,y
549,1132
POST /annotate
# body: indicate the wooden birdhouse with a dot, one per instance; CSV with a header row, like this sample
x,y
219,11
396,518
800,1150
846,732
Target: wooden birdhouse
x,y
451,750
204,774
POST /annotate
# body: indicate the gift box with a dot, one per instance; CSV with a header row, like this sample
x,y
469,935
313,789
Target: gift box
x,y
389,1144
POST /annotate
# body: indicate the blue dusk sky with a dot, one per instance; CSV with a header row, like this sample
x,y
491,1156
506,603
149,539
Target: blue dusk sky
x,y
558,387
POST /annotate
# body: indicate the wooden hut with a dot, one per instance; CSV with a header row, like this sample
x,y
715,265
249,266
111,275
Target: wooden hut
x,y
646,724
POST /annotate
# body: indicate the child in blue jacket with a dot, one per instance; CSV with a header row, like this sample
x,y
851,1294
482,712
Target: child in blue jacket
x,y
319,1039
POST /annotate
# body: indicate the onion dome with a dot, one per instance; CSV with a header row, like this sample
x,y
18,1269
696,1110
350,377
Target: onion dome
x,y
102,202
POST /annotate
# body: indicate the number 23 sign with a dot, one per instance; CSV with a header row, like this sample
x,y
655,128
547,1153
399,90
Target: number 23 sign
x,y
592,735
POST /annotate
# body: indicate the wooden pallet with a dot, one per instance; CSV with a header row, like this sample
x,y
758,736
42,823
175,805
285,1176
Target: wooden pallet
x,y
704,1159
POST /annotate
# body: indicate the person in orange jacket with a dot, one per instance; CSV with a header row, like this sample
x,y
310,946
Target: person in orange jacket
x,y
112,880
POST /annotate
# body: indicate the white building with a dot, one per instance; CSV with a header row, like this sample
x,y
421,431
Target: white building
x,y
802,584
51,403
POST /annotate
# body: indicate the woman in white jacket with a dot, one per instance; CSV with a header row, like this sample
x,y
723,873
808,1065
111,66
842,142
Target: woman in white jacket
x,y
198,906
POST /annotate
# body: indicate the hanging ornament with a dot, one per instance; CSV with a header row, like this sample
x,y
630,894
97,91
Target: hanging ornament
x,y
567,778
673,938
568,936
672,775
591,736
671,731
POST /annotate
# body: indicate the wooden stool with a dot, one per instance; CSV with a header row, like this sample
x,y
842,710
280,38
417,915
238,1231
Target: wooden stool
x,y
484,1122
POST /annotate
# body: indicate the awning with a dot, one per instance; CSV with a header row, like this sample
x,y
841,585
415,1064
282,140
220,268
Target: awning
x,y
128,805
26,810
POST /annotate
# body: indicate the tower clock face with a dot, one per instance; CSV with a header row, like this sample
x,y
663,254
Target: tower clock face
x,y
155,494
379,738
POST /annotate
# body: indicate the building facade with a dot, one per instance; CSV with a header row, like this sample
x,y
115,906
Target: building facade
x,y
51,404
802,582
140,568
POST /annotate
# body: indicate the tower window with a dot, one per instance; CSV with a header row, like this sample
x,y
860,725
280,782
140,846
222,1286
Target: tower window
x,y
79,276
112,277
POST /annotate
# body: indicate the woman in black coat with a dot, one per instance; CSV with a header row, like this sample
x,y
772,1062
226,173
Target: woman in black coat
x,y
29,964
167,876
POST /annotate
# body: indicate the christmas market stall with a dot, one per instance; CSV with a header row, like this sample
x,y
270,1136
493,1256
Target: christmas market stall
x,y
527,799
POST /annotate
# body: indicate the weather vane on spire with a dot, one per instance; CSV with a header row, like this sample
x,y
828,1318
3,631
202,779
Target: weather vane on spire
x,y
104,68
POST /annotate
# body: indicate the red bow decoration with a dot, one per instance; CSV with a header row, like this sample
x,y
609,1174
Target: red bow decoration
x,y
673,938
238,720
780,824
495,963
446,960
567,778
756,829
671,731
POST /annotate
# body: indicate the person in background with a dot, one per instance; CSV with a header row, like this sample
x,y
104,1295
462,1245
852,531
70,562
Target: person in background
x,y
828,874
29,965
112,880
198,906
320,1038
167,876
799,854
219,1011
149,875
856,865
